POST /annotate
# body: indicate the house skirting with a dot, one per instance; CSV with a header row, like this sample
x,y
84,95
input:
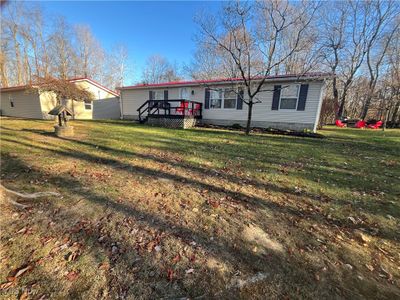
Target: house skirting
x,y
130,117
178,122
261,124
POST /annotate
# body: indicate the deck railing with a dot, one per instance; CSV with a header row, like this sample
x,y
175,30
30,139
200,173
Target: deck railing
x,y
174,108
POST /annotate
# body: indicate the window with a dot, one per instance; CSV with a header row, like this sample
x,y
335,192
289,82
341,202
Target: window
x,y
289,97
11,101
216,99
184,94
223,98
229,99
158,95
88,104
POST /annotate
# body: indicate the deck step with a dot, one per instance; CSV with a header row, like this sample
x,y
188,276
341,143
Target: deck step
x,y
143,120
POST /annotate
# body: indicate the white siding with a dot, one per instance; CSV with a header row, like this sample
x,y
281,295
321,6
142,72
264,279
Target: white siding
x,y
106,109
131,100
26,104
47,103
262,112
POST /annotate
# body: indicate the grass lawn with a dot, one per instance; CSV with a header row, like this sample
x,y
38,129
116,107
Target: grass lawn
x,y
160,213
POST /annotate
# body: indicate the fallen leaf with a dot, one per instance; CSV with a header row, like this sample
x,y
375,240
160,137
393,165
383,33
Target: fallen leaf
x,y
72,275
352,220
6,285
176,259
369,267
24,295
19,272
23,230
190,271
104,266
170,274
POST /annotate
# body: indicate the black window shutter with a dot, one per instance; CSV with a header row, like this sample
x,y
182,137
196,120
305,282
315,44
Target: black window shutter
x,y
166,95
151,95
239,102
275,97
302,97
207,99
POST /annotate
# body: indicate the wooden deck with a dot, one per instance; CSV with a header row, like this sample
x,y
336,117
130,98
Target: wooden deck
x,y
174,109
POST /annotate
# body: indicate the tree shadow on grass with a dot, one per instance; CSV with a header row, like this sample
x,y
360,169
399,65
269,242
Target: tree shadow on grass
x,y
276,265
170,144
255,202
223,248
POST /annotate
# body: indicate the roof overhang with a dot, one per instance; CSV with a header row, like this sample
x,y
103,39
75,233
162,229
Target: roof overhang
x,y
95,83
225,81
15,88
91,81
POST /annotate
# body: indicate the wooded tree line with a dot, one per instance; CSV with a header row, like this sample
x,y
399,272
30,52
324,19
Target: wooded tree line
x,y
38,45
359,41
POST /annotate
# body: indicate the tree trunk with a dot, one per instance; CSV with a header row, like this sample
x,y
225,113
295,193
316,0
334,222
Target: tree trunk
x,y
366,108
3,72
395,112
341,109
385,120
335,97
17,54
249,114
342,103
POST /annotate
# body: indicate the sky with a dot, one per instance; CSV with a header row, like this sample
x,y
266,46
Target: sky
x,y
146,28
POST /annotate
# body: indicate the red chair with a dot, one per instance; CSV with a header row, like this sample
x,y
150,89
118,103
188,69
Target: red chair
x,y
195,110
340,123
184,106
360,124
376,125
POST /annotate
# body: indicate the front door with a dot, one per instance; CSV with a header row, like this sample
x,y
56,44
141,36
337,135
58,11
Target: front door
x,y
185,93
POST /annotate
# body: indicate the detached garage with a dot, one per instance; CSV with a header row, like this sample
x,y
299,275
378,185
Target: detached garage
x,y
27,102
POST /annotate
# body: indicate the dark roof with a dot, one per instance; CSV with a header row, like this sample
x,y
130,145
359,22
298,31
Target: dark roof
x,y
306,76
59,109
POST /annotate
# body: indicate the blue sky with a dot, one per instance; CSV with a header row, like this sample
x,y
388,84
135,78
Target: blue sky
x,y
146,28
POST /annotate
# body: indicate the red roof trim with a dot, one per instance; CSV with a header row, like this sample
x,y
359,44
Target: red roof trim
x,y
222,80
23,87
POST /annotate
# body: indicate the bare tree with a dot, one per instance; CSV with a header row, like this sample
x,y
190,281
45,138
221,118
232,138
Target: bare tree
x,y
350,33
391,80
253,36
159,69
377,49
61,49
4,59
89,54
332,40
119,65
12,24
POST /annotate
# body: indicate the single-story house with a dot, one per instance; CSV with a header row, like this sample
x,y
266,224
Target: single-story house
x,y
25,102
285,102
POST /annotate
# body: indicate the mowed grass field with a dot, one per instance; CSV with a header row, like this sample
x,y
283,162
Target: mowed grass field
x,y
147,213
